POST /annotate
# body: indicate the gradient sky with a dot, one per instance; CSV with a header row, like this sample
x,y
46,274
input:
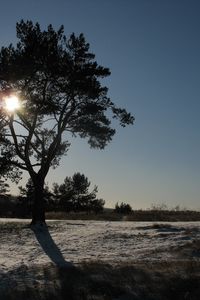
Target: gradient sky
x,y
153,50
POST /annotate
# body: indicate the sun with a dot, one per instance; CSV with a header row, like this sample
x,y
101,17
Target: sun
x,y
11,103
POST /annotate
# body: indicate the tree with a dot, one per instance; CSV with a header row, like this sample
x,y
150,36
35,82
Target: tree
x,y
123,208
59,86
74,195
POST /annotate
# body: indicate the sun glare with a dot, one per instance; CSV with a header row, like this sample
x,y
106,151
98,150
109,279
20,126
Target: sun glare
x,y
12,103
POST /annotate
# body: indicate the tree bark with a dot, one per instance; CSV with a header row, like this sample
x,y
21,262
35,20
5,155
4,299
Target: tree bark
x,y
38,206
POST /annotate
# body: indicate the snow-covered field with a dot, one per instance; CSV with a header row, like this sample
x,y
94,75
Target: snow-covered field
x,y
86,260
111,242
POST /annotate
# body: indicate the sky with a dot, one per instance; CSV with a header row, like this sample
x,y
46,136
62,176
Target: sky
x,y
152,48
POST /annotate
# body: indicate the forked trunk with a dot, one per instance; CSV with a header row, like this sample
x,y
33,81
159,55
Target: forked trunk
x,y
38,206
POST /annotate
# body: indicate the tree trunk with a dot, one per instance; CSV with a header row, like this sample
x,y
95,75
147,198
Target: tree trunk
x,y
38,206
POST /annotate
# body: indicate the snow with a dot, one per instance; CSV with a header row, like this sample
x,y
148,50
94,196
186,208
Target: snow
x,y
73,242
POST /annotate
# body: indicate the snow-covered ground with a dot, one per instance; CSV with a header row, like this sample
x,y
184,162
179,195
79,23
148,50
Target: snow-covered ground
x,y
112,242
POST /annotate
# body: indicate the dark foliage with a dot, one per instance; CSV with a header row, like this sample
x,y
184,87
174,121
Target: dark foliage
x,y
123,208
4,187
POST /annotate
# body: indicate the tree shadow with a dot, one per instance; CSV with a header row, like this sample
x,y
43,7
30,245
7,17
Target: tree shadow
x,y
47,243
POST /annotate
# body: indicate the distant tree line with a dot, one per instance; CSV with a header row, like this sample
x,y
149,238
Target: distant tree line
x,y
73,195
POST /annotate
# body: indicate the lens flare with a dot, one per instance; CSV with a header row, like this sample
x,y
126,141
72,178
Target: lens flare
x,y
11,103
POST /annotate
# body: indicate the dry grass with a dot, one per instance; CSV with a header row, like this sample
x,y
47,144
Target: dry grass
x,y
136,215
98,281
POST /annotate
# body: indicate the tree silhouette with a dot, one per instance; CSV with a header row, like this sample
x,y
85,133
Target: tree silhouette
x,y
74,195
123,208
59,86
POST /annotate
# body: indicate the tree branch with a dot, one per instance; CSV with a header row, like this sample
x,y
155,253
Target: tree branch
x,y
17,164
15,139
17,135
23,125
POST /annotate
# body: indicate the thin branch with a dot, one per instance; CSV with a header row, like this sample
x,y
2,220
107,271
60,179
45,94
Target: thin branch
x,y
28,141
17,135
15,139
19,165
23,125
47,120
54,126
36,165
55,117
60,120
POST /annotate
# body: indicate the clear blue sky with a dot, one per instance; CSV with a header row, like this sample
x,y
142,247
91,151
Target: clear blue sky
x,y
153,50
